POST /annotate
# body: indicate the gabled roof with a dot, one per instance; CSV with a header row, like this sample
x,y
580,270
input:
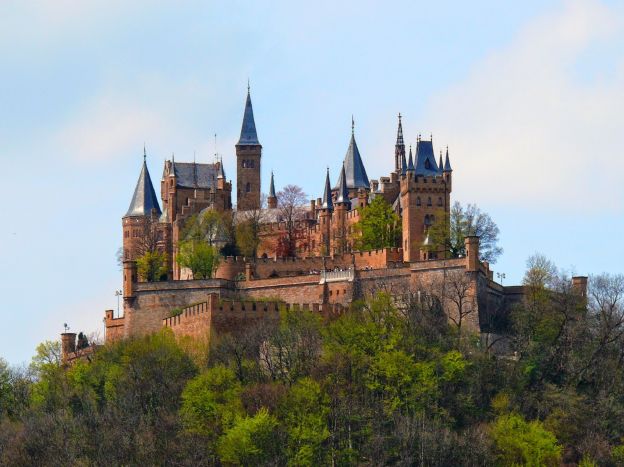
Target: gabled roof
x,y
343,193
425,159
195,175
327,202
248,135
354,167
144,199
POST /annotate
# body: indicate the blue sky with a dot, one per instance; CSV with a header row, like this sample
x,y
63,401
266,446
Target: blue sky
x,y
528,96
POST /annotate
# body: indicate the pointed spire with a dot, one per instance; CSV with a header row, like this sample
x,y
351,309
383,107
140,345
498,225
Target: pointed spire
x,y
447,163
440,166
410,163
354,167
272,187
221,173
403,164
144,199
343,192
327,195
399,141
248,135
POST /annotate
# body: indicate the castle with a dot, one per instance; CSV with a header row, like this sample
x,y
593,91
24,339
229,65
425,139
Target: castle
x,y
323,273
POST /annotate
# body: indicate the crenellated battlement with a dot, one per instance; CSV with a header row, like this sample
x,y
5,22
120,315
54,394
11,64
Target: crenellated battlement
x,y
200,319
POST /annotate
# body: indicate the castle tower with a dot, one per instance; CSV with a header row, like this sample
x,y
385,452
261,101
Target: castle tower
x,y
399,150
248,155
425,194
140,223
325,218
272,198
354,170
339,220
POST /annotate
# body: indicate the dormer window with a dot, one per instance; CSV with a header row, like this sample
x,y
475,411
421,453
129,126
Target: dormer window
x,y
427,164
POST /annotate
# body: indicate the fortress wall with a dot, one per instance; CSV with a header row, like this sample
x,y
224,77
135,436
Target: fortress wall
x,y
114,326
234,316
154,301
264,268
299,289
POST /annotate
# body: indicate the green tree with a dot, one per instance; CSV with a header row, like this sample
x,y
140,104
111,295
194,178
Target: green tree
x,y
378,227
200,257
152,266
305,413
211,401
449,232
525,443
250,441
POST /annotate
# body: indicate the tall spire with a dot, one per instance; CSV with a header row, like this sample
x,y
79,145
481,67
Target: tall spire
x,y
343,192
399,149
353,165
447,163
440,166
399,141
144,199
327,194
410,164
248,135
272,187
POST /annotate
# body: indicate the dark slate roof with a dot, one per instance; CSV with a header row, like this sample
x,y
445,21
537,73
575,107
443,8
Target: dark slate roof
x,y
248,134
425,159
403,163
194,175
354,168
447,163
144,198
410,164
343,193
327,195
272,187
440,165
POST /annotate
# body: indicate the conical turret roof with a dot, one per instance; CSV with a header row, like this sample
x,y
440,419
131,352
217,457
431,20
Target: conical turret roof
x,y
447,163
327,195
354,167
144,199
248,134
343,192
410,163
272,187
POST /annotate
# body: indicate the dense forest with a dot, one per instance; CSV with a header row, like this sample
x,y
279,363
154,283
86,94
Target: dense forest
x,y
382,384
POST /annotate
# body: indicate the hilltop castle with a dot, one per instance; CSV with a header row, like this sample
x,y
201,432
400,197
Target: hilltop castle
x,y
324,273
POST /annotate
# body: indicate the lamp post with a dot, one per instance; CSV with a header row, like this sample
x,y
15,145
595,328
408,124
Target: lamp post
x,y
118,293
501,276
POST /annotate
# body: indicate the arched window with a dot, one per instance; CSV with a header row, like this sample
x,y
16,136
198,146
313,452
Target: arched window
x,y
429,201
440,201
418,201
248,187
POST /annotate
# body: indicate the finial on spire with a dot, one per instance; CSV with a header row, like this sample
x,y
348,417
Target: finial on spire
x,y
144,153
352,125
248,86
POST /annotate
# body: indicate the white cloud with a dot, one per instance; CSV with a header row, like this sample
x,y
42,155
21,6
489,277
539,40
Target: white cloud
x,y
526,127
